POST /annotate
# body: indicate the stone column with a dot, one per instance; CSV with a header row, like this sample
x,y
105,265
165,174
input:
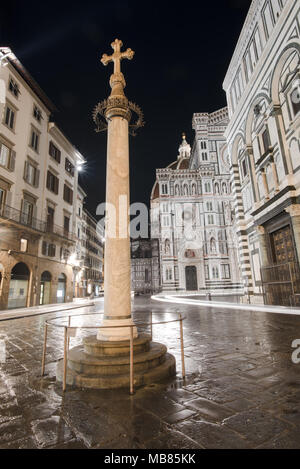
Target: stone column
x,y
294,212
265,183
275,175
252,173
263,250
117,264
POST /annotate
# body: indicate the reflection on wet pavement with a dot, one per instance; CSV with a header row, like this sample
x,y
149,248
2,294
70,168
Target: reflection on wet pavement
x,y
242,388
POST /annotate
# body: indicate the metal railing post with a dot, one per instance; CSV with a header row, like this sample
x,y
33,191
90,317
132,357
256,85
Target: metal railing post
x,y
131,360
182,347
69,324
65,357
44,349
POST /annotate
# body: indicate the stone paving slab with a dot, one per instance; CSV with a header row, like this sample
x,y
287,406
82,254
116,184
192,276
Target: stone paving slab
x,y
241,391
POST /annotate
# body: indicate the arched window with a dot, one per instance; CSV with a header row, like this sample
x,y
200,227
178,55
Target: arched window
x,y
224,188
217,188
207,187
215,273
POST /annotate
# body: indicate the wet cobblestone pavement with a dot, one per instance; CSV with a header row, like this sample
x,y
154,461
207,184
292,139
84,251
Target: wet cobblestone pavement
x,y
242,389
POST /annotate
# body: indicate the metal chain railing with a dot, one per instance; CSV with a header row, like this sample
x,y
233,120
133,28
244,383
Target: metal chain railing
x,y
68,327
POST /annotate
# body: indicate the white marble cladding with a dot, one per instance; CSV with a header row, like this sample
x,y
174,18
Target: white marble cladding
x,y
264,20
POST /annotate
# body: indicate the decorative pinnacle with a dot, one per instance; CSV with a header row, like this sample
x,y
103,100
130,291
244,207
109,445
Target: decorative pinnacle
x,y
117,56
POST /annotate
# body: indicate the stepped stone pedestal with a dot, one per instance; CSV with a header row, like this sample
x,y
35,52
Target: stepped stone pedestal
x,y
100,364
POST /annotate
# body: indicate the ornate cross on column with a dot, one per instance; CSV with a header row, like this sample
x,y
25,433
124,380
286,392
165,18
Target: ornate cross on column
x,y
117,56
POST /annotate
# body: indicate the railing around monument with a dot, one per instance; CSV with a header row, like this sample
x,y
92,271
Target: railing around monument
x,y
67,327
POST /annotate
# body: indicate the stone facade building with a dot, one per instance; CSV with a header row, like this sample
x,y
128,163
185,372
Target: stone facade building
x,y
145,276
262,86
92,255
191,214
38,194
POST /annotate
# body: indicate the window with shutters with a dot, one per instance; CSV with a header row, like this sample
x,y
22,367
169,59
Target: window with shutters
x,y
66,225
50,218
27,212
14,87
31,174
34,140
54,152
9,116
52,182
48,249
68,194
2,198
37,113
70,168
7,157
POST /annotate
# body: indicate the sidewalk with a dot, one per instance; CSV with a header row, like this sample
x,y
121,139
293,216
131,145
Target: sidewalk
x,y
44,309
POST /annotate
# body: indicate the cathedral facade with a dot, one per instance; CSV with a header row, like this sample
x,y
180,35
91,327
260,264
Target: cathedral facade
x,y
192,214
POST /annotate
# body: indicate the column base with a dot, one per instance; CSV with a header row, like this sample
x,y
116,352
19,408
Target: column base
x,y
116,334
96,365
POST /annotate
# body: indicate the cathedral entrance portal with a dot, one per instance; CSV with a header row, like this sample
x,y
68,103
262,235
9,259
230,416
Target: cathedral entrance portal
x,y
191,278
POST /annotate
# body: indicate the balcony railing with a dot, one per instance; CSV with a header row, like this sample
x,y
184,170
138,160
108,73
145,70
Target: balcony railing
x,y
26,219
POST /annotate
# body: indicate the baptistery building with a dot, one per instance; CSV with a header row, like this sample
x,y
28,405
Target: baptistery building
x,y
262,85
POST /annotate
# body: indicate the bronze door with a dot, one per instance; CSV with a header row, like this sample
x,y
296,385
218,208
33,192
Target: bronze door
x,y
282,246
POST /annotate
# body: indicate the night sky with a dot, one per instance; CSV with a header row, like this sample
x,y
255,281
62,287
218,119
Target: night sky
x,y
182,52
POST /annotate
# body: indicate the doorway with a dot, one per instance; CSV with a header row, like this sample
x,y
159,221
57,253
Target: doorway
x,y
18,287
191,278
61,289
45,291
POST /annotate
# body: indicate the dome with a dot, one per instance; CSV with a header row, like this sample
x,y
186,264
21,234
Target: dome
x,y
182,162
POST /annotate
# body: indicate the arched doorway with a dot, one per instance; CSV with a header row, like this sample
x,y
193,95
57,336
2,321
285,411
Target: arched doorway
x,y
191,278
45,290
18,287
61,288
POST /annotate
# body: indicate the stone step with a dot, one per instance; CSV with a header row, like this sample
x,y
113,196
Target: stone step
x,y
82,362
100,348
164,371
